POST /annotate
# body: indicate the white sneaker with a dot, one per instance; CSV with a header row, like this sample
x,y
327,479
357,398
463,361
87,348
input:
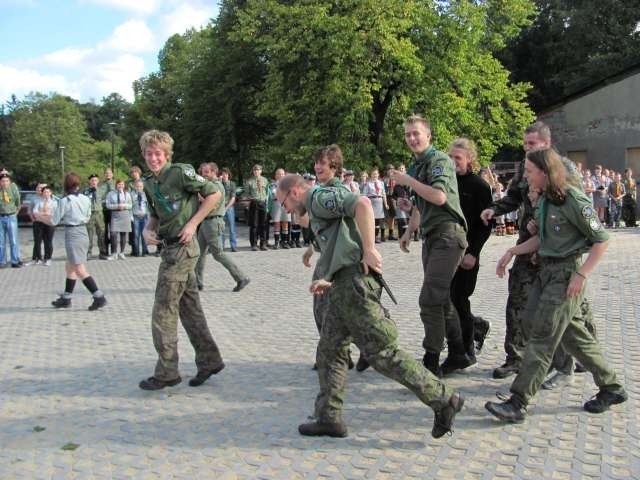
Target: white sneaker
x,y
28,264
113,257
47,263
121,256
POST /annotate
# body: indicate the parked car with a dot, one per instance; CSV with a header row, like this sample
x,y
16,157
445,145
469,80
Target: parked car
x,y
241,206
26,199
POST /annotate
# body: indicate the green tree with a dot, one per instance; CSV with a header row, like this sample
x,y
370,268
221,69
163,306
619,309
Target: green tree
x,y
41,125
573,44
348,72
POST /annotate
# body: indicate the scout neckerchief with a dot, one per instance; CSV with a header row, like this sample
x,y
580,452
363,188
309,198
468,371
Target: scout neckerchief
x,y
5,196
418,160
542,208
160,198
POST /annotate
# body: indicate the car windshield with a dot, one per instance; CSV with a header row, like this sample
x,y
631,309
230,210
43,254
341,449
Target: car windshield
x,y
28,197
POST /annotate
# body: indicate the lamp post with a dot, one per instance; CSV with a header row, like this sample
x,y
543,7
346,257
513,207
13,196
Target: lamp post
x,y
61,148
113,145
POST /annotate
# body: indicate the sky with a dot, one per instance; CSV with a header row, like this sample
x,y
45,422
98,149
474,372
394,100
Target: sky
x,y
88,49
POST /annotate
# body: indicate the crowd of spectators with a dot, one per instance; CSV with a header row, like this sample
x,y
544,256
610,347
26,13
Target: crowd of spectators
x,y
120,210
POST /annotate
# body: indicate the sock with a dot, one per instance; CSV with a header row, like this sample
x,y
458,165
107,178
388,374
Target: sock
x,y
69,285
90,284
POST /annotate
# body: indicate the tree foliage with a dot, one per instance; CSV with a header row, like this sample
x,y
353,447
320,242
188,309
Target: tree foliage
x,y
573,44
41,125
348,72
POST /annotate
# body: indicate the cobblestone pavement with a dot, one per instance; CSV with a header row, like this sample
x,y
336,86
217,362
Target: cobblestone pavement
x,y
70,406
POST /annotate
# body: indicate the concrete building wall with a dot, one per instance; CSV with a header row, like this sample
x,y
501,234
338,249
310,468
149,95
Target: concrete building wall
x,y
602,126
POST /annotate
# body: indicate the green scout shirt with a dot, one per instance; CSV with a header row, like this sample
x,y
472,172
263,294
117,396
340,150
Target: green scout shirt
x,y
172,197
10,199
569,229
218,210
331,214
252,191
229,191
95,195
105,187
436,169
517,195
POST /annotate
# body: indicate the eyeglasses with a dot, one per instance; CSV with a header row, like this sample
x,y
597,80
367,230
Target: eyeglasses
x,y
285,199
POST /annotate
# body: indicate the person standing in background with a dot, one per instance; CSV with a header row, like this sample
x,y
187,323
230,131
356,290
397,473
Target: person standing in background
x,y
120,204
140,214
95,226
9,207
229,208
45,204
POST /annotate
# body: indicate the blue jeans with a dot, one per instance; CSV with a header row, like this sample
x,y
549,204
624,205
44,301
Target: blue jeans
x,y
230,223
139,245
9,228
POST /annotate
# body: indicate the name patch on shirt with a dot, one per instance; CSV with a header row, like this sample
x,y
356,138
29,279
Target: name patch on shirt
x,y
191,173
436,171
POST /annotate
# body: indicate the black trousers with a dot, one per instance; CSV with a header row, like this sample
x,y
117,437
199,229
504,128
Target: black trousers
x,y
257,222
42,234
462,287
37,240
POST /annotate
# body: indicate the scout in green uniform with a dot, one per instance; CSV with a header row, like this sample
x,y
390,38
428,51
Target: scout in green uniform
x,y
210,234
327,165
524,271
568,227
433,179
95,226
172,191
344,228
9,207
256,189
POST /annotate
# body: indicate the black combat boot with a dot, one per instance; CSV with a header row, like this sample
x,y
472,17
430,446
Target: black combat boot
x,y
510,411
443,417
61,302
604,399
481,328
276,241
431,362
322,429
362,364
456,361
98,302
508,368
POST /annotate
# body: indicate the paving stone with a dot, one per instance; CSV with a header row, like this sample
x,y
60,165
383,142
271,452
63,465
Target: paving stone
x,y
75,373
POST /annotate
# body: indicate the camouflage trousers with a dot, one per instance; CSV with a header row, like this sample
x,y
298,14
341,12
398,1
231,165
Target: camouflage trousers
x,y
177,296
556,319
210,235
95,226
522,276
354,313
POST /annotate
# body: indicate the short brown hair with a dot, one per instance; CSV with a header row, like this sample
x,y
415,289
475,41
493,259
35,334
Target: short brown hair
x,y
71,183
227,171
541,128
135,169
157,138
333,153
